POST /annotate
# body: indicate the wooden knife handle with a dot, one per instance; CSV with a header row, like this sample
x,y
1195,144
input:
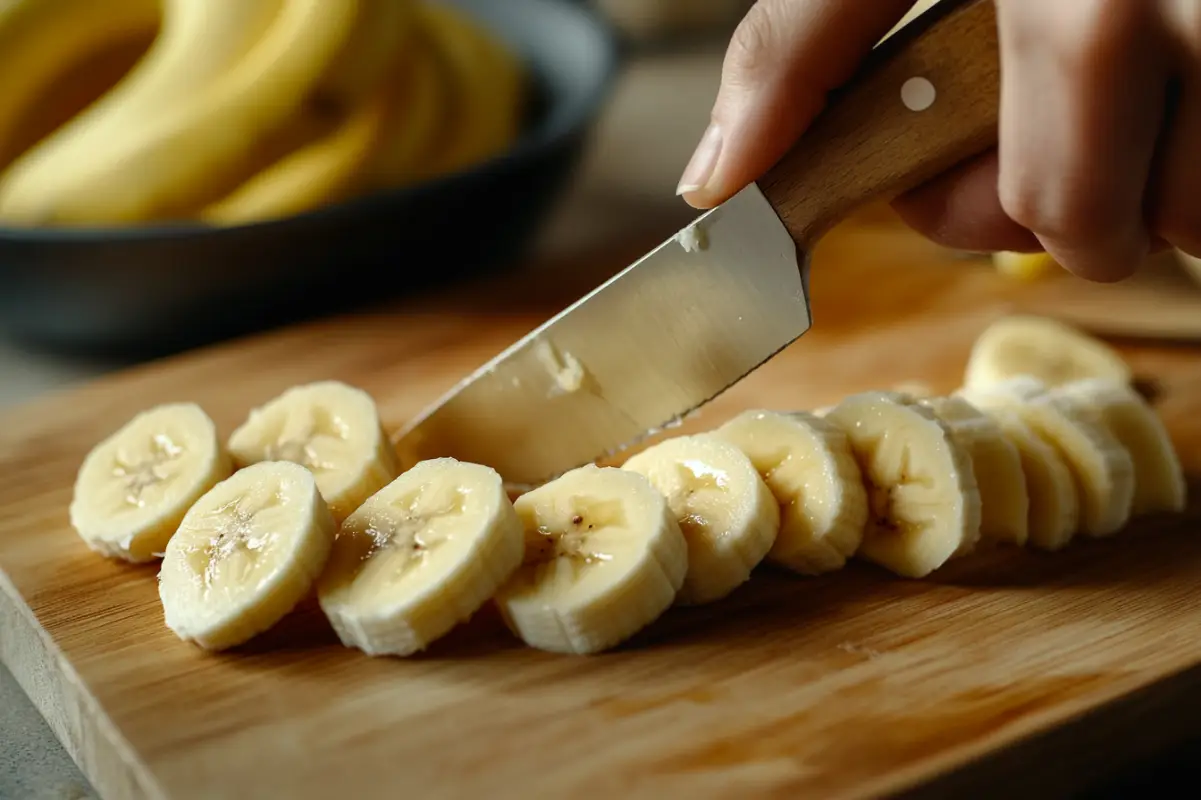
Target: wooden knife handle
x,y
869,144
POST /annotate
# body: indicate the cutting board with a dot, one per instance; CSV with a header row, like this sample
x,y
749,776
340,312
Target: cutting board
x,y
1007,668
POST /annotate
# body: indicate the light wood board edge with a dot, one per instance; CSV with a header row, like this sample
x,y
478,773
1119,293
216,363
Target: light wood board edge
x,y
54,688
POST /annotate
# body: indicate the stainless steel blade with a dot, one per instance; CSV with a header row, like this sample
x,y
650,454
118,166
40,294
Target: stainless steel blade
x,y
666,335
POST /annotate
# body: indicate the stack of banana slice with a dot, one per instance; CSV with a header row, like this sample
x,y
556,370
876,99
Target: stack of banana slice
x,y
235,111
1046,441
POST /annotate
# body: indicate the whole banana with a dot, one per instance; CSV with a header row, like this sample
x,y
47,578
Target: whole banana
x,y
159,163
40,38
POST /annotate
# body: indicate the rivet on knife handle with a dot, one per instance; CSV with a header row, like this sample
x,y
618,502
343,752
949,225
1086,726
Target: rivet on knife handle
x,y
926,99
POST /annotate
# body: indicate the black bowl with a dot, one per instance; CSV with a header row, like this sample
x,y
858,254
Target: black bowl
x,y
146,291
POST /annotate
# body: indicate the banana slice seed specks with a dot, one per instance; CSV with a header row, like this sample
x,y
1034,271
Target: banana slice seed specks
x,y
245,555
420,556
807,463
922,491
725,510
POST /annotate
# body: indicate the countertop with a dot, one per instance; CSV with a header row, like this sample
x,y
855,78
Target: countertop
x,y
625,188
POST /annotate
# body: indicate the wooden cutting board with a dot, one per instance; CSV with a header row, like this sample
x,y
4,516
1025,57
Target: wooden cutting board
x,y
1007,668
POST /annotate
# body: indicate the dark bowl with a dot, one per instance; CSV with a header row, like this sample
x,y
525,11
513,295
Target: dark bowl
x,y
146,291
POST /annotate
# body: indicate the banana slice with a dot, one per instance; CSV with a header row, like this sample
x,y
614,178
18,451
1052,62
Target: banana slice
x,y
245,555
725,510
1159,484
924,499
1023,266
1004,501
912,388
133,489
1054,506
808,465
1101,467
329,427
420,556
604,558
1043,348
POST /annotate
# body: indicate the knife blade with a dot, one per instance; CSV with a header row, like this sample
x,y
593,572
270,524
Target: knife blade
x,y
720,298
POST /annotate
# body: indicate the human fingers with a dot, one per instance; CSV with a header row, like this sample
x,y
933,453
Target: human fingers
x,y
783,59
960,209
1175,207
1081,100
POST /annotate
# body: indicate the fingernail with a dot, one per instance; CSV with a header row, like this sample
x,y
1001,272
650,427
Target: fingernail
x,y
704,161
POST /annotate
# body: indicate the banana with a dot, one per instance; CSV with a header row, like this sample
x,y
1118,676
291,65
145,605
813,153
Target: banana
x,y
330,428
199,42
1054,511
604,558
1004,501
1159,484
196,149
40,39
75,87
807,463
415,117
1101,467
1023,266
924,499
912,388
324,171
488,86
133,488
1043,348
727,513
245,555
420,556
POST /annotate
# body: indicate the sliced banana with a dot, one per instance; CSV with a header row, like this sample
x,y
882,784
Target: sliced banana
x,y
1054,512
604,558
133,489
1101,467
245,555
924,499
1043,348
330,428
725,510
1159,484
420,556
1005,503
808,465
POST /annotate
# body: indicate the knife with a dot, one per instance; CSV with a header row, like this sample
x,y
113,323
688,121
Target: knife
x,y
729,291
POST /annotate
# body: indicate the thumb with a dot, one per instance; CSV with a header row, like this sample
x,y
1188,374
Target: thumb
x,y
785,56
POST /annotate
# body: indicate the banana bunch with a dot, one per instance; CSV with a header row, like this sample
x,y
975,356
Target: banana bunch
x,y
1023,266
1045,441
236,111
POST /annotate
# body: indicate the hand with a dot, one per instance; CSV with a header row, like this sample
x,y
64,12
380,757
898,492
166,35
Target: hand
x,y
1099,154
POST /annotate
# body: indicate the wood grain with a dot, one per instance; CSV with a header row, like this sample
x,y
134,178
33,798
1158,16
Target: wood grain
x,y
971,683
867,144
